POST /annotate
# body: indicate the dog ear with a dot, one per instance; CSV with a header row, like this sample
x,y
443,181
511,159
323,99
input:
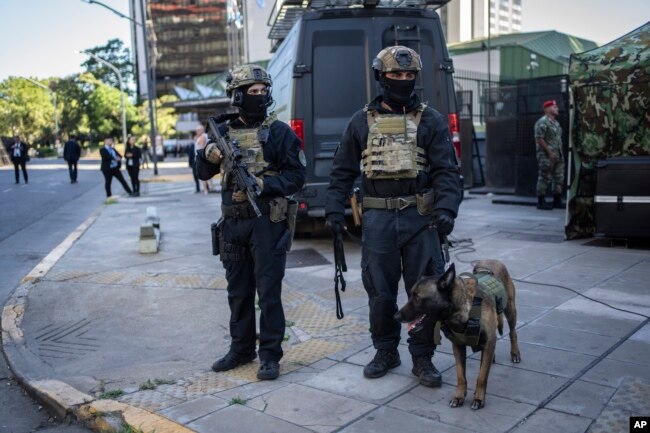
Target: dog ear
x,y
446,282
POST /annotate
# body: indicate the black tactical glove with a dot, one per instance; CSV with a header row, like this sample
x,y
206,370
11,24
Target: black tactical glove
x,y
335,222
444,222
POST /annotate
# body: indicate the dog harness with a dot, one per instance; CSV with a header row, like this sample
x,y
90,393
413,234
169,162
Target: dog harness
x,y
487,286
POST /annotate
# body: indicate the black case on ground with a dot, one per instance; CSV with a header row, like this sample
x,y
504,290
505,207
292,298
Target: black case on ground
x,y
623,197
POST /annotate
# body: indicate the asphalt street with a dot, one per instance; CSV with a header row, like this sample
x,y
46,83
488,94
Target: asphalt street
x,y
35,218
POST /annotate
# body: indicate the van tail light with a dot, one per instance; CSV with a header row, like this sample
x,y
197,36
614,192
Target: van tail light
x,y
454,130
298,127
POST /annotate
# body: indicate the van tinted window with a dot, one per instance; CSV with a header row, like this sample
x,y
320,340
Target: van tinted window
x,y
339,84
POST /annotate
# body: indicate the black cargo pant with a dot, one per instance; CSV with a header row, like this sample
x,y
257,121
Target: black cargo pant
x,y
391,250
253,259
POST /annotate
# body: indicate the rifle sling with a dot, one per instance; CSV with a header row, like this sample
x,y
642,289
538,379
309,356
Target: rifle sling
x,y
339,267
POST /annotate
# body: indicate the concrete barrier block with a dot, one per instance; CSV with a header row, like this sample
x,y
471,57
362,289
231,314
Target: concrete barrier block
x,y
150,232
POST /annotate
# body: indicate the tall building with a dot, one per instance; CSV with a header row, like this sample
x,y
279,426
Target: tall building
x,y
193,43
200,38
465,20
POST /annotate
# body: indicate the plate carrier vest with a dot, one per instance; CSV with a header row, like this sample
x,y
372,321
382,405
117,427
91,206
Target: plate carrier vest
x,y
391,151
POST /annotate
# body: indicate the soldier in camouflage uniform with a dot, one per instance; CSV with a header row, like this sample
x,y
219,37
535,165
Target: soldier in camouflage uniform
x,y
411,192
548,137
254,250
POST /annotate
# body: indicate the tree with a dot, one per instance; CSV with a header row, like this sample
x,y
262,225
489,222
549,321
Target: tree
x,y
165,115
104,111
72,96
115,53
26,109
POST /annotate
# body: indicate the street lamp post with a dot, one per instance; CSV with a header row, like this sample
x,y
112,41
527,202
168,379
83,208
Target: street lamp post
x,y
53,96
119,77
152,128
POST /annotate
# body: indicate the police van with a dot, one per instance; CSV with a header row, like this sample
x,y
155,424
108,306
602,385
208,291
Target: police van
x,y
322,74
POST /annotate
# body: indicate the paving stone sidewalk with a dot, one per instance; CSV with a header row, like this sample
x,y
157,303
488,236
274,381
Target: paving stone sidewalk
x,y
144,330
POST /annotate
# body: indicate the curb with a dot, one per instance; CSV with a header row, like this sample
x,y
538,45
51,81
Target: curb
x,y
64,401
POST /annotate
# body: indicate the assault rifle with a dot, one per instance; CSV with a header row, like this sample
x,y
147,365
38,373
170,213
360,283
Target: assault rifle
x,y
233,165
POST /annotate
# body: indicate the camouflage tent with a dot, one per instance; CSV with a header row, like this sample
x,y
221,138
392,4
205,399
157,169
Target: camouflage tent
x,y
610,86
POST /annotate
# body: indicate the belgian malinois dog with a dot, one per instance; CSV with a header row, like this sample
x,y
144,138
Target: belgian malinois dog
x,y
468,316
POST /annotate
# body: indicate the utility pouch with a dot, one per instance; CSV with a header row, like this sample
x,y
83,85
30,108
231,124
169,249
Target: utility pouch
x,y
292,212
216,229
424,202
278,209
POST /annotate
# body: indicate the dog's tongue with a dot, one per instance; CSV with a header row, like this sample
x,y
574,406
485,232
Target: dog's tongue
x,y
415,322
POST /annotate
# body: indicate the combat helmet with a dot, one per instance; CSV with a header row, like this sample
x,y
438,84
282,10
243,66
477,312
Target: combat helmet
x,y
396,58
245,75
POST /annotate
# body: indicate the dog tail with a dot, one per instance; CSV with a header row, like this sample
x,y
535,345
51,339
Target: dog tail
x,y
500,324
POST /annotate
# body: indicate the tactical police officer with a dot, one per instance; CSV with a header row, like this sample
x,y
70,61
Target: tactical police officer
x,y
550,163
253,250
411,193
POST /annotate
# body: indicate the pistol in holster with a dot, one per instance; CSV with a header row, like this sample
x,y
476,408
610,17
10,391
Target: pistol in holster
x,y
216,236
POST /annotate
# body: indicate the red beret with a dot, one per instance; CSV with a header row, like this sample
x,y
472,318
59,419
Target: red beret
x,y
549,103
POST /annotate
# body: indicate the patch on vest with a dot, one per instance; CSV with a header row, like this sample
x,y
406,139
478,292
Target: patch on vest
x,y
302,158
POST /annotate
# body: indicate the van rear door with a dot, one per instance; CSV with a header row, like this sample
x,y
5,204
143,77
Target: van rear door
x,y
339,85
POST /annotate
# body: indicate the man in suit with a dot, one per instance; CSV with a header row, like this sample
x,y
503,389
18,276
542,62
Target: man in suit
x,y
110,167
19,157
72,153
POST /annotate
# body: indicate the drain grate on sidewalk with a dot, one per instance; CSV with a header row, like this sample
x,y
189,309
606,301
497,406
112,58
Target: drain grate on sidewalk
x,y
305,257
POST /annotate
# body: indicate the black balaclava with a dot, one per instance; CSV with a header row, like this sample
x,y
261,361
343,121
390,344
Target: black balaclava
x,y
397,93
253,107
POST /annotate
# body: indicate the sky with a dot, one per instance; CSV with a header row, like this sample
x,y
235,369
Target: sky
x,y
39,37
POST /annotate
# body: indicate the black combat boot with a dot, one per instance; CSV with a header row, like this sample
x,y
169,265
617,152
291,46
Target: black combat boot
x,y
557,201
269,370
383,361
541,203
232,360
426,371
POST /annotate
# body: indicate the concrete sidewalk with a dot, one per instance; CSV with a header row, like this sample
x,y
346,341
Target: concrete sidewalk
x,y
98,320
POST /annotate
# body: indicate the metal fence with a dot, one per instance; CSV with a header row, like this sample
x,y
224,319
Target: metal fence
x,y
485,96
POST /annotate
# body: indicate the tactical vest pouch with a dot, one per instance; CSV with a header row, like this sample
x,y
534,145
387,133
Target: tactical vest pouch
x,y
425,202
292,212
278,209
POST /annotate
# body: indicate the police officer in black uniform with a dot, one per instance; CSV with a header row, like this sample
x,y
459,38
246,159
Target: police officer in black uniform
x,y
253,250
411,193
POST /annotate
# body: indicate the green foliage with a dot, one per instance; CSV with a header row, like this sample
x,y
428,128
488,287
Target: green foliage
x,y
148,385
112,394
88,104
115,53
238,400
125,428
25,109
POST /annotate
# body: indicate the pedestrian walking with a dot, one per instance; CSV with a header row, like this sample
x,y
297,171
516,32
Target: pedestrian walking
x,y
550,162
145,153
110,167
71,154
19,157
410,184
253,250
133,154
